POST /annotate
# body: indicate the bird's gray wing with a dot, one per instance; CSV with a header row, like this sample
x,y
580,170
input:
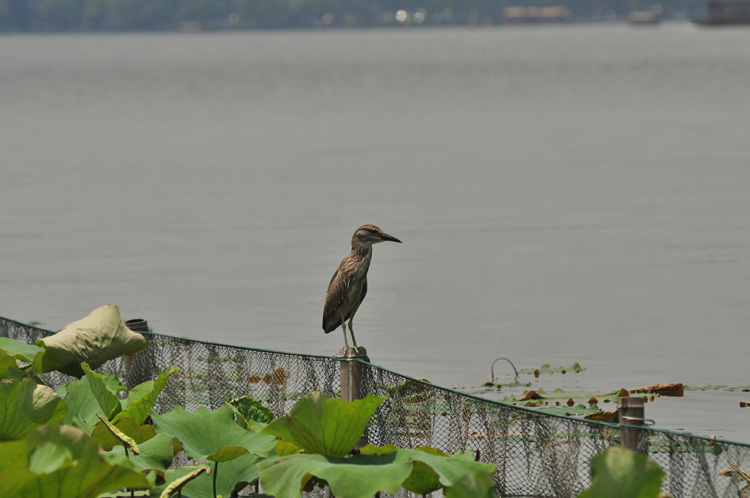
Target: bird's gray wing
x,y
337,290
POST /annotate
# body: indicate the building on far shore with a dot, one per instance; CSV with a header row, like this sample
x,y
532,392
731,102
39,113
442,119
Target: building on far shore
x,y
726,12
532,14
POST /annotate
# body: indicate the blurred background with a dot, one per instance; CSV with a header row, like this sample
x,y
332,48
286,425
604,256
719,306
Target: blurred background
x,y
191,15
566,191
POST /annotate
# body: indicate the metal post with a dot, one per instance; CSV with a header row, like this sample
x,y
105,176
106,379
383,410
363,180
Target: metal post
x,y
351,379
631,412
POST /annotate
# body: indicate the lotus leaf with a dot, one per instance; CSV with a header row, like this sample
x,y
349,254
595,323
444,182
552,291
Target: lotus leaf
x,y
60,462
28,353
448,469
124,439
8,367
284,448
99,337
107,400
375,469
112,381
214,436
547,369
49,457
358,477
329,427
230,476
14,474
21,350
25,405
82,404
422,479
177,485
477,485
142,398
97,393
621,473
248,411
139,433
156,454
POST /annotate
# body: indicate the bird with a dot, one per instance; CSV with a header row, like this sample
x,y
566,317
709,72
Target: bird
x,y
348,285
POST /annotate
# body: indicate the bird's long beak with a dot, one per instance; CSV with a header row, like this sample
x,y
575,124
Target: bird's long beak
x,y
391,238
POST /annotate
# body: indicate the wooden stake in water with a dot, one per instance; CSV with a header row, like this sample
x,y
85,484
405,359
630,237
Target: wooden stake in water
x,y
351,379
631,412
351,373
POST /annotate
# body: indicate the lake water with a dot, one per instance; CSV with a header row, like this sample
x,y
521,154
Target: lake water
x,y
575,193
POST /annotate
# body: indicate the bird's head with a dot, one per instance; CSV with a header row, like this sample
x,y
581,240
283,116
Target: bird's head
x,y
370,234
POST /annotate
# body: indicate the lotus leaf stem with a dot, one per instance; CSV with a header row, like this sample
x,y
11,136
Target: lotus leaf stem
x,y
216,471
492,368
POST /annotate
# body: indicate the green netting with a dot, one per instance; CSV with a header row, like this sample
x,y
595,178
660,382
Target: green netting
x,y
537,454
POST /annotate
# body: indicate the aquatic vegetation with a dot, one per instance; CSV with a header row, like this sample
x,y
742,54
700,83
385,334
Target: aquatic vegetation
x,y
89,437
546,369
620,473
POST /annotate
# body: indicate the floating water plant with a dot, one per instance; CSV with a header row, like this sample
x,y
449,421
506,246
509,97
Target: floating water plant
x,y
546,369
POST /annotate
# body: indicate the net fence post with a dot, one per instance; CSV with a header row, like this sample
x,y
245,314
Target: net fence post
x,y
631,411
351,373
137,368
351,379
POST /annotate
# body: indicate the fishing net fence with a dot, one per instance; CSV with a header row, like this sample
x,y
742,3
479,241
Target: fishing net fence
x,y
537,454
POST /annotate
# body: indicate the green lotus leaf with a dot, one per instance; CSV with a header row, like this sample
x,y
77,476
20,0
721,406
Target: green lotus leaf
x,y
21,350
105,397
82,404
139,433
284,448
374,469
156,454
142,398
208,435
230,476
9,367
547,369
28,353
14,474
477,485
99,337
621,473
25,405
329,427
433,469
112,381
360,476
248,411
49,457
177,484
125,440
422,479
60,462
450,468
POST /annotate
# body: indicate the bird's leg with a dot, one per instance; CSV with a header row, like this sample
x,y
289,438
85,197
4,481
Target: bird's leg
x,y
351,331
346,343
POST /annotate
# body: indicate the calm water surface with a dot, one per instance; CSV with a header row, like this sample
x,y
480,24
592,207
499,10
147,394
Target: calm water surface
x,y
565,194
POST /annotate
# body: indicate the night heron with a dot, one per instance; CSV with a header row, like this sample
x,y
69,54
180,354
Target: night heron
x,y
348,286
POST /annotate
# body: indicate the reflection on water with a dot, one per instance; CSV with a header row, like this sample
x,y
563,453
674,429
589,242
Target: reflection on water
x,y
564,194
